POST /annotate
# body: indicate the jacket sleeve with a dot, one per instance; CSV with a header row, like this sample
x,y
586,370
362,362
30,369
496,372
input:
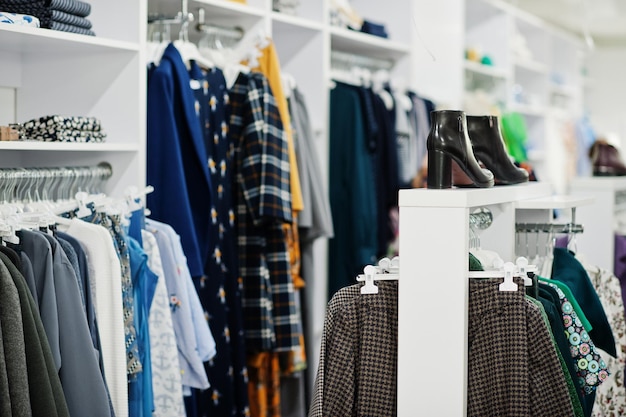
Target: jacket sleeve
x,y
169,201
264,165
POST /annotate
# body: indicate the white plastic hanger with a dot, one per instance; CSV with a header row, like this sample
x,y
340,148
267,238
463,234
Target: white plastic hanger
x,y
288,82
7,233
134,196
524,269
489,259
189,52
387,270
369,274
507,272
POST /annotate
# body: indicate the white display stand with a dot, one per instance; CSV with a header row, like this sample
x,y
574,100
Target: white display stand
x,y
598,242
433,296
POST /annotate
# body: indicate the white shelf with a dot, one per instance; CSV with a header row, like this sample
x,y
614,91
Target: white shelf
x,y
555,202
599,183
36,41
220,12
67,146
486,70
295,22
528,110
533,66
221,8
565,90
367,45
464,197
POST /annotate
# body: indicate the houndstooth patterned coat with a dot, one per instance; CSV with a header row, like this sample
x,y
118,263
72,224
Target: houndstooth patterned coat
x,y
358,359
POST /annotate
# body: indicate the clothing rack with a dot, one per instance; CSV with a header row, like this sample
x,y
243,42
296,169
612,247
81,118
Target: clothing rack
x,y
552,228
51,184
183,18
620,199
233,33
345,61
481,218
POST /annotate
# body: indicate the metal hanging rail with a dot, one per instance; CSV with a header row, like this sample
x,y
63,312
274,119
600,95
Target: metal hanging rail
x,y
50,184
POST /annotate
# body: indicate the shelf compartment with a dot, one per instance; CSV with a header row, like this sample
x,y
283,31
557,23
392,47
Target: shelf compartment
x,y
285,22
367,45
485,70
532,66
220,12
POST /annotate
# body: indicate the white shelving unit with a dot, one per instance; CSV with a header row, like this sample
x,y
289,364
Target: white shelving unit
x,y
45,72
434,234
543,84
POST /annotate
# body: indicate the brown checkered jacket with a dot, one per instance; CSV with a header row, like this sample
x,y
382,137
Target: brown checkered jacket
x,y
513,367
358,359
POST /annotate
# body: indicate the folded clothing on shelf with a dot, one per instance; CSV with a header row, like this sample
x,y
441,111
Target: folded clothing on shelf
x,y
19,19
376,29
64,129
75,7
63,27
61,15
69,19
91,124
67,136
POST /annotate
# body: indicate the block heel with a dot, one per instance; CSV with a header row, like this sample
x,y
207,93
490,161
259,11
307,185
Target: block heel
x,y
439,170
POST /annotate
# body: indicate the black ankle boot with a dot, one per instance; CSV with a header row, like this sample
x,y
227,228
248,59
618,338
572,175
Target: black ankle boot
x,y
489,148
448,141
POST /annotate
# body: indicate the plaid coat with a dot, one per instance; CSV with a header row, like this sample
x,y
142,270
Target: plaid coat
x,y
263,204
359,354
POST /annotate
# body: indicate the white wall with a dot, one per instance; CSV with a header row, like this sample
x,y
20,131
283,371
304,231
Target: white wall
x,y
437,34
606,100
7,105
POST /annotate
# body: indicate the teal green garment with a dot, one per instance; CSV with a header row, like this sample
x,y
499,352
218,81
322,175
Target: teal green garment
x,y
578,409
515,135
351,190
567,269
570,297
474,264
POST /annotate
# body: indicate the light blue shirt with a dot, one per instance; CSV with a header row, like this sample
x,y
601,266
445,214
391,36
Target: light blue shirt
x,y
204,337
192,368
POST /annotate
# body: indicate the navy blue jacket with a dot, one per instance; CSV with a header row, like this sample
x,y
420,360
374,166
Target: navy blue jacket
x,y
177,164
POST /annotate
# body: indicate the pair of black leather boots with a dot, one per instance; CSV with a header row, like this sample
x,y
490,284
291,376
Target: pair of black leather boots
x,y
457,139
